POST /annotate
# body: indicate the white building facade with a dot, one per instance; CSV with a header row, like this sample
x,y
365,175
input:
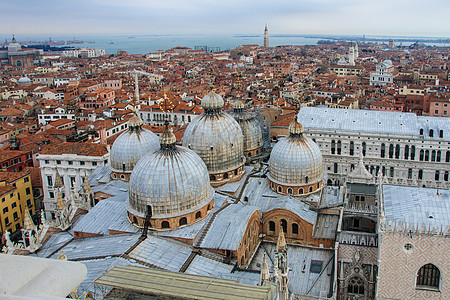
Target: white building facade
x,y
408,149
382,75
72,168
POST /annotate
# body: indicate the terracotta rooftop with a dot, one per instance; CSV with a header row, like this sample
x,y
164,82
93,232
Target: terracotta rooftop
x,y
85,149
284,120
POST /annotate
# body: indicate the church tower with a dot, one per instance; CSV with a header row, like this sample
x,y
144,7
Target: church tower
x,y
266,37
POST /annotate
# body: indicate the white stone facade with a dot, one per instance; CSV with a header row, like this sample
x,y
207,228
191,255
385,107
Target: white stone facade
x,y
420,159
72,169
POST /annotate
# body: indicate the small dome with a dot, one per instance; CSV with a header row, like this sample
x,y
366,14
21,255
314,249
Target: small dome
x,y
218,139
173,180
212,101
131,145
24,80
295,162
251,129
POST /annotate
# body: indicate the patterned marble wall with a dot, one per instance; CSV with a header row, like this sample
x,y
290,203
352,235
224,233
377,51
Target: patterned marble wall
x,y
398,266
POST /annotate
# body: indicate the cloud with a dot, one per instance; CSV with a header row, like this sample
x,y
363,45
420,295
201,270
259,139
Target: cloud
x,y
82,17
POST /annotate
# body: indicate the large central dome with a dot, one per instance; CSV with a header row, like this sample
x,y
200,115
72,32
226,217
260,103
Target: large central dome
x,y
218,139
295,165
174,181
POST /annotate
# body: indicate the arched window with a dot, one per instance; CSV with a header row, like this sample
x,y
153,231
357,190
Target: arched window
x,y
355,286
352,148
310,189
198,215
433,155
306,179
280,189
413,152
333,147
421,131
183,221
397,151
438,156
383,150
339,144
406,152
295,229
272,226
225,176
441,133
391,151
209,207
289,191
364,148
431,132
284,225
300,191
212,177
428,276
427,155
421,155
135,220
165,224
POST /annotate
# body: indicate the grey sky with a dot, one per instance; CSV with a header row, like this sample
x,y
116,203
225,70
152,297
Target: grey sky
x,y
352,17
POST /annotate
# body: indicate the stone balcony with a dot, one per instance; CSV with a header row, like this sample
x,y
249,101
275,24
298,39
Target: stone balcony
x,y
358,238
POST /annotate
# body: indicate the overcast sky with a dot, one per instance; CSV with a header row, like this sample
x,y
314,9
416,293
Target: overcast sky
x,y
350,17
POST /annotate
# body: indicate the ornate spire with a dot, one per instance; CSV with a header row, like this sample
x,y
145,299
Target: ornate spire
x,y
265,275
167,139
62,256
59,202
58,180
281,243
28,223
86,185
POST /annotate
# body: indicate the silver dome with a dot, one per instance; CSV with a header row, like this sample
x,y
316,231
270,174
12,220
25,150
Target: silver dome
x,y
217,139
173,181
251,128
130,147
296,160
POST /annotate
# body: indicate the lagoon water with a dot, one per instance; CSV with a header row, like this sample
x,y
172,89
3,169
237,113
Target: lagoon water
x,y
141,44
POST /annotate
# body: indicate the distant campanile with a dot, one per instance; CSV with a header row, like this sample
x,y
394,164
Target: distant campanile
x,y
266,37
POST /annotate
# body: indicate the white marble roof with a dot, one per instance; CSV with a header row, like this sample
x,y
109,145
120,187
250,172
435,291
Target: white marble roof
x,y
416,205
372,121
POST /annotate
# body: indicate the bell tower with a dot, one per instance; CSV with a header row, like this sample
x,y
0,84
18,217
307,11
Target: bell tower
x,y
266,37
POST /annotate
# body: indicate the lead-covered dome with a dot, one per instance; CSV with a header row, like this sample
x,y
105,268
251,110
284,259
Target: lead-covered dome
x,y
174,181
130,147
217,138
251,129
295,164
